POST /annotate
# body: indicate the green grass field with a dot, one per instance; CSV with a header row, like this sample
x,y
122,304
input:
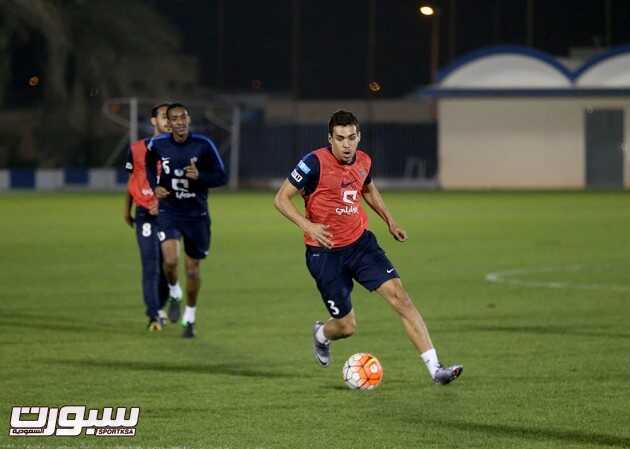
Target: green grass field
x,y
545,349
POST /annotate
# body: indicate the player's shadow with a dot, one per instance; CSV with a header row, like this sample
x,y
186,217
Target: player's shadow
x,y
573,437
342,387
228,369
62,326
46,326
47,322
579,331
336,387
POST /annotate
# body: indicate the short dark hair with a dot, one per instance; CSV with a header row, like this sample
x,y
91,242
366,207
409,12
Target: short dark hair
x,y
342,118
176,105
156,109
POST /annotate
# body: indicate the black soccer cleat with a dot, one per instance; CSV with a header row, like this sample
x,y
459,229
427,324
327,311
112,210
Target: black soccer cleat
x,y
447,374
321,351
189,329
154,325
173,309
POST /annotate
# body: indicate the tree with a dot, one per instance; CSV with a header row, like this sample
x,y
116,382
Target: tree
x,y
88,45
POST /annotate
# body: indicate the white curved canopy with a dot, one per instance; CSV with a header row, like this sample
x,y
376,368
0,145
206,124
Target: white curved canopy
x,y
608,72
506,71
515,68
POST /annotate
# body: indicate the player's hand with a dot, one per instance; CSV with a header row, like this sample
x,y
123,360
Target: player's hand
x,y
191,170
153,210
128,219
161,192
397,232
318,232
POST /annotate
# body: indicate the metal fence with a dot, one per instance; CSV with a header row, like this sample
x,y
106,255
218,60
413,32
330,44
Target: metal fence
x,y
256,153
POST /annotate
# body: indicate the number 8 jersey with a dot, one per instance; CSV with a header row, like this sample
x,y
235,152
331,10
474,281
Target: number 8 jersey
x,y
187,197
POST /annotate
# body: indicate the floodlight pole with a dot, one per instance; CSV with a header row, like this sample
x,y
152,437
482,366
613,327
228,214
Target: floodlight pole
x,y
235,142
452,34
295,49
530,23
133,119
371,59
220,42
434,14
608,14
435,45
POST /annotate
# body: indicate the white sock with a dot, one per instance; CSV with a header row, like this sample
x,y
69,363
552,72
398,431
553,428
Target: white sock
x,y
319,335
189,314
175,291
430,359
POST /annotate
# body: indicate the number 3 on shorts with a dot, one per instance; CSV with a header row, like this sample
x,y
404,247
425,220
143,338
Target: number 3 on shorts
x,y
333,308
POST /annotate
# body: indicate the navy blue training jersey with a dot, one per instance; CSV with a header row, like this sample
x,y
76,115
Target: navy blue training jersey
x,y
187,196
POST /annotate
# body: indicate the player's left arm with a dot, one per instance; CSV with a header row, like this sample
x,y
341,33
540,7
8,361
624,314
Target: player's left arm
x,y
374,199
209,170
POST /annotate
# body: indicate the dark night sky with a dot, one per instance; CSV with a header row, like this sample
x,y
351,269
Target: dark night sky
x,y
334,38
334,44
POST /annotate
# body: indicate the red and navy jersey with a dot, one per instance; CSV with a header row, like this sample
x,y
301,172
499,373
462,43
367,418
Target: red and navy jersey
x,y
138,186
187,197
332,193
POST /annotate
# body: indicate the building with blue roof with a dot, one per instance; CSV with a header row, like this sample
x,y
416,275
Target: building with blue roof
x,y
514,117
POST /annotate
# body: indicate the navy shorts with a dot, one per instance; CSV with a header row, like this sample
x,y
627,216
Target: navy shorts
x,y
195,231
334,271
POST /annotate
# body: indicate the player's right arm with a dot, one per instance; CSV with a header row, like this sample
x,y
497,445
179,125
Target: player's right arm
x,y
127,211
128,198
284,203
151,163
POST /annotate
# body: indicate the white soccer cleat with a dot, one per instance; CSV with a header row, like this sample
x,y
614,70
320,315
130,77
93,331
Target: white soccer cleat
x,y
447,374
321,351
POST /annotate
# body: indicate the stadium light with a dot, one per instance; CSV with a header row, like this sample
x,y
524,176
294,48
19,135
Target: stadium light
x,y
434,14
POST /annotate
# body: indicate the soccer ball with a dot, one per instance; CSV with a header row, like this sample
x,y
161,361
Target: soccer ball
x,y
362,371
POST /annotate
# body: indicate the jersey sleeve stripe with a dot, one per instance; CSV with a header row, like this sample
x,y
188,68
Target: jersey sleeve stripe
x,y
156,138
214,148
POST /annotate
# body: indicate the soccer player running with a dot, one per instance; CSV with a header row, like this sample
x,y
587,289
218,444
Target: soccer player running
x,y
190,165
139,192
340,248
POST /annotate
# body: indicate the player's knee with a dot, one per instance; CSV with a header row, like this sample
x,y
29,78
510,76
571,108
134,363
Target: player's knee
x,y
346,331
347,327
192,274
400,299
170,263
